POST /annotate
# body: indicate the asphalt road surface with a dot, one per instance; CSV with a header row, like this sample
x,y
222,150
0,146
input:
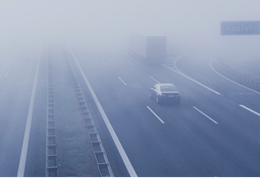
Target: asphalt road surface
x,y
214,132
17,73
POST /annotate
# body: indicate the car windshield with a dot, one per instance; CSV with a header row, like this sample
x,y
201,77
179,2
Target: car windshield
x,y
168,88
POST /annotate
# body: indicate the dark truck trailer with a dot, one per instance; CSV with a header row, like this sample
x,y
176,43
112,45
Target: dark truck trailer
x,y
148,49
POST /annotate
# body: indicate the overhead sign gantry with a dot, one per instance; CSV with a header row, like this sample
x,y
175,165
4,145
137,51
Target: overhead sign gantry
x,y
240,28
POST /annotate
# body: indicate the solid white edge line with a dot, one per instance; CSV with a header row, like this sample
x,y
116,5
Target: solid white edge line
x,y
154,79
120,148
104,63
6,74
175,62
184,75
205,115
155,115
230,79
130,63
122,81
26,138
256,113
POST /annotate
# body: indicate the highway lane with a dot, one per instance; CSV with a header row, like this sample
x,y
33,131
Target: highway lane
x,y
226,111
208,135
15,91
202,61
233,94
151,145
133,125
243,125
35,162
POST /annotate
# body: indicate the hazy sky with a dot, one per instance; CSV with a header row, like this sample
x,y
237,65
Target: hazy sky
x,y
110,20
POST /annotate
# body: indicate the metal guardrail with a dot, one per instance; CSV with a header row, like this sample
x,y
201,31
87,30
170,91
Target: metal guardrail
x,y
51,147
97,146
238,76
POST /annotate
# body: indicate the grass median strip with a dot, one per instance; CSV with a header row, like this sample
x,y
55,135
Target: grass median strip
x,y
118,144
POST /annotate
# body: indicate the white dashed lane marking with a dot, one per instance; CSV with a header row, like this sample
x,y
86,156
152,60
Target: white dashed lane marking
x,y
6,74
155,115
121,80
154,79
251,110
104,63
205,115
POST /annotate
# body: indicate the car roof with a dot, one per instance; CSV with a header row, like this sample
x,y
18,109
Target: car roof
x,y
167,85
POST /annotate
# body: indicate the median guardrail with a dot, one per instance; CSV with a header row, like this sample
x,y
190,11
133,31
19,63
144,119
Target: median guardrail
x,y
51,147
236,76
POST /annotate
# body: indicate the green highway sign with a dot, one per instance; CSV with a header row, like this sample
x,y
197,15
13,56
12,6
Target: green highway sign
x,y
240,28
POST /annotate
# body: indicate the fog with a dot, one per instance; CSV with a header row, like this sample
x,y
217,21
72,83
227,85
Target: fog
x,y
190,25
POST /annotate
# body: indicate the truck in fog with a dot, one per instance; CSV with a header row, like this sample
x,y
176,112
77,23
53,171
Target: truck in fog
x,y
148,49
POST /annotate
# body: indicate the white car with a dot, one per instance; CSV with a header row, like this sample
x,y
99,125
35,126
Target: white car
x,y
165,92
